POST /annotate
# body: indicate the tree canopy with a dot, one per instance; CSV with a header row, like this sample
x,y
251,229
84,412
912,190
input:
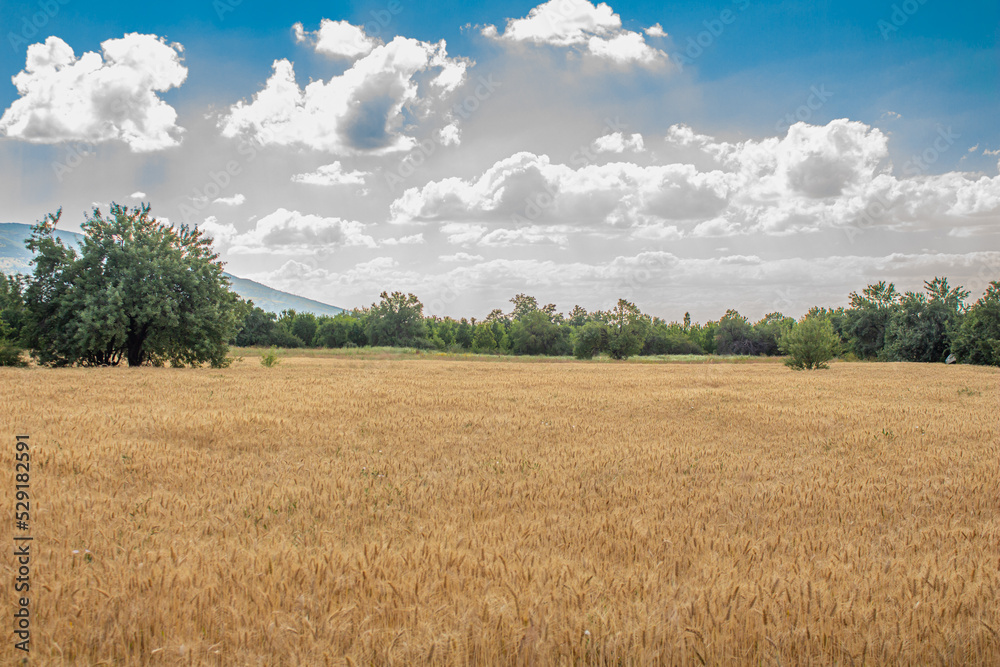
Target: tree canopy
x,y
137,290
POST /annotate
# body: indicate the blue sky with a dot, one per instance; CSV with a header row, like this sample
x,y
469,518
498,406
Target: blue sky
x,y
640,148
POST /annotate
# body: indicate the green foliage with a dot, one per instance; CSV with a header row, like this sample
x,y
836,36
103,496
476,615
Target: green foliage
x,y
397,320
138,290
867,319
536,333
340,330
663,339
590,339
483,340
769,332
627,329
258,327
269,358
304,326
977,341
735,335
810,344
920,327
11,320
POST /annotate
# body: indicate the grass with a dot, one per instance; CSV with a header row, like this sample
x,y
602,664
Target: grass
x,y
344,510
385,353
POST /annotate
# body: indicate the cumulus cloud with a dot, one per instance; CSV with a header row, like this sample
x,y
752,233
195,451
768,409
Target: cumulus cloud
x,y
617,142
289,232
338,39
138,195
595,30
98,97
655,30
235,200
366,110
814,178
331,174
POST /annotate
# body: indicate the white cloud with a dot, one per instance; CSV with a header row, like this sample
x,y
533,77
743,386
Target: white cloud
x,y
814,178
450,135
579,24
97,98
138,195
369,109
617,142
338,39
415,239
655,30
331,174
235,200
461,257
289,232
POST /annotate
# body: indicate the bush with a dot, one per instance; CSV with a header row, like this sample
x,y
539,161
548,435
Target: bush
x,y
269,358
810,344
10,354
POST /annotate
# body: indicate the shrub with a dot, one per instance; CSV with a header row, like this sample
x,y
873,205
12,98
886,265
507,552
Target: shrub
x,y
10,354
810,344
269,357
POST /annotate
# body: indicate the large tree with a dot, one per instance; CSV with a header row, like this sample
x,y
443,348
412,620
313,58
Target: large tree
x,y
396,321
138,290
977,341
922,326
627,330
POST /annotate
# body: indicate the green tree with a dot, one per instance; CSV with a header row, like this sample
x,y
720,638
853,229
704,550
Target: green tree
x,y
257,329
769,332
536,333
483,340
304,326
977,341
868,317
138,290
810,344
397,320
11,320
921,327
590,339
627,329
336,331
735,335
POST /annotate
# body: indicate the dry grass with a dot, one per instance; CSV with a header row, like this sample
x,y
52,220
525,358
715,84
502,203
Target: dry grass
x,y
331,510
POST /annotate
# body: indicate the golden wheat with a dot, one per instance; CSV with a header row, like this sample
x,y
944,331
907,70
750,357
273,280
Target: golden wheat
x,y
345,511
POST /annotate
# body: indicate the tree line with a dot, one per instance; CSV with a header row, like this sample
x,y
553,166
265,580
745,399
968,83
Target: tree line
x,y
142,292
880,324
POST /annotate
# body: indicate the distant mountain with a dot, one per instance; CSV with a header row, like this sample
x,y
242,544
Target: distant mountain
x,y
15,258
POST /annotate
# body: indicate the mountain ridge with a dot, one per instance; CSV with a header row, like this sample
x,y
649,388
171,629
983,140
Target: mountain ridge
x,y
15,258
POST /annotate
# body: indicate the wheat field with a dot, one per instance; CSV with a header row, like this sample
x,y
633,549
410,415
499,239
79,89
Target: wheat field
x,y
349,511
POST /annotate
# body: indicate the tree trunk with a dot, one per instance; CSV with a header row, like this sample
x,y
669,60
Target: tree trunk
x,y
134,344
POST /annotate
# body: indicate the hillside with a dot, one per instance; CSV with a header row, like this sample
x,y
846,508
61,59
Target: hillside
x,y
15,258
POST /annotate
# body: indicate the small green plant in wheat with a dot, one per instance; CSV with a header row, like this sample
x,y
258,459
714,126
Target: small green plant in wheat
x,y
269,358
